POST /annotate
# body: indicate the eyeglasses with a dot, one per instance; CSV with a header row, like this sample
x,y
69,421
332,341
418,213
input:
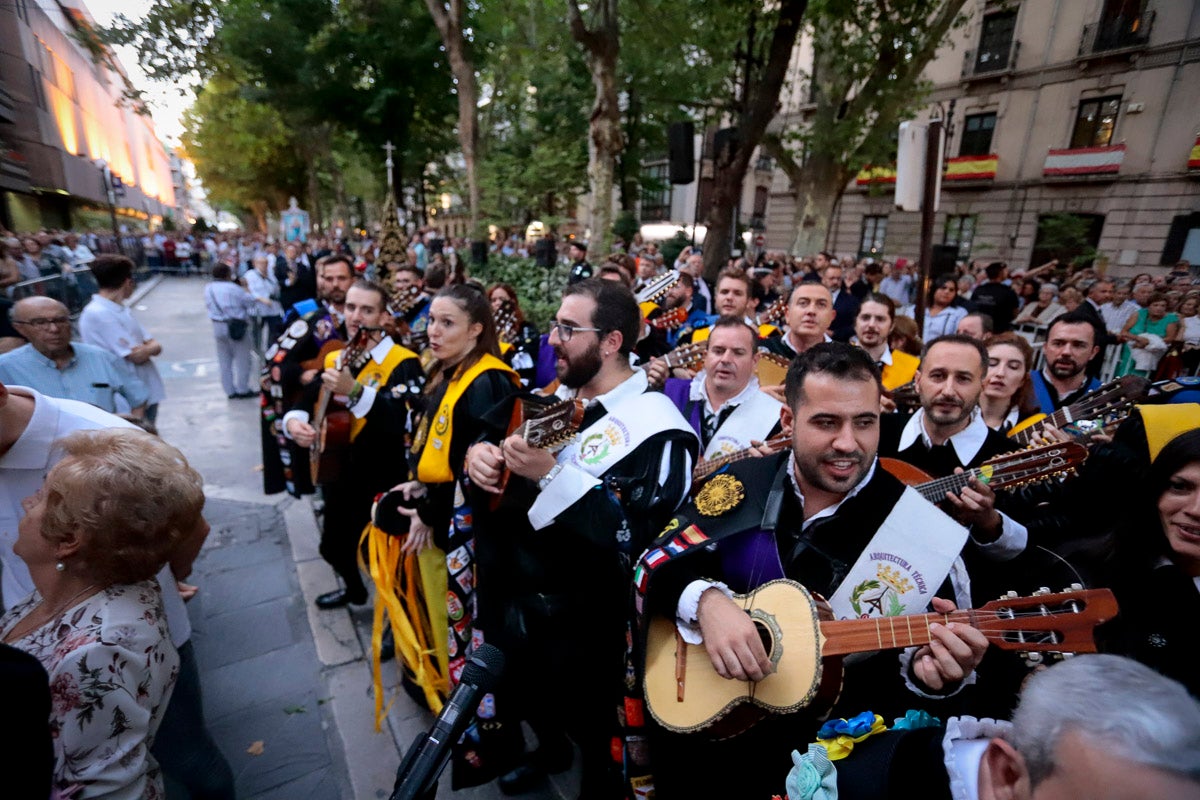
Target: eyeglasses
x,y
565,332
44,322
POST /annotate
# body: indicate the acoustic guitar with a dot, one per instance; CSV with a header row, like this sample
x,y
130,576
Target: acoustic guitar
x,y
1007,471
331,419
543,426
686,695
1112,402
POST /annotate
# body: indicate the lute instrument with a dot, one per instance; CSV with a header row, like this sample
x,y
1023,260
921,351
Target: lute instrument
x,y
1112,402
686,695
771,369
331,419
543,426
669,320
1007,471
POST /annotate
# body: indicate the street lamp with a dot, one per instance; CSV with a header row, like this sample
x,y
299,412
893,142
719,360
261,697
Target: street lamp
x,y
106,180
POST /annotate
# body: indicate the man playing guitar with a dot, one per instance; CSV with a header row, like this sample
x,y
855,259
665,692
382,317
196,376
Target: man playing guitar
x,y
378,390
820,514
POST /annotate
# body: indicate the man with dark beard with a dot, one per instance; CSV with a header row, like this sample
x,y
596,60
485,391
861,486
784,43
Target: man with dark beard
x,y
294,361
1070,345
556,557
825,515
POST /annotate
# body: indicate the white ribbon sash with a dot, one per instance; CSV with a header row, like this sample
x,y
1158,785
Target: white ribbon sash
x,y
900,570
753,420
603,444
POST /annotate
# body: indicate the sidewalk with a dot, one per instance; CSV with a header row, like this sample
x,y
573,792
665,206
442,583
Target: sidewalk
x,y
274,669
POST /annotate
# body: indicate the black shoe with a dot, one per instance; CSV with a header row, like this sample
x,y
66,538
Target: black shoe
x,y
524,778
339,598
243,395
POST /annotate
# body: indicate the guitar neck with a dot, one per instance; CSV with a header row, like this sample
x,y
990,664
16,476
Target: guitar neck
x,y
843,637
706,468
1034,432
935,490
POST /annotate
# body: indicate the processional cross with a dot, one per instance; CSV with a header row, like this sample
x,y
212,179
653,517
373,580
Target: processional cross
x,y
389,147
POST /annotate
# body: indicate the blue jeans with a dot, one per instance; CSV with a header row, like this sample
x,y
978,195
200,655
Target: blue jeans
x,y
183,746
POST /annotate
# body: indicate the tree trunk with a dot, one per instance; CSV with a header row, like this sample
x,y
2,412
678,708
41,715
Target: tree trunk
x,y
605,140
818,185
604,147
448,17
758,106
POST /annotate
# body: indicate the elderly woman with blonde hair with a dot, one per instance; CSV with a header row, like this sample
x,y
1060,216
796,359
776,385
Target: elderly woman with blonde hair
x,y
117,507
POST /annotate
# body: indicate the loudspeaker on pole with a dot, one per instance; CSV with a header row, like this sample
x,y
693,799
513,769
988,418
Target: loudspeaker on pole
x,y
681,151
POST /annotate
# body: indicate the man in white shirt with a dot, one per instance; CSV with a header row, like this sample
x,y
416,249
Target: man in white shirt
x,y
77,252
108,324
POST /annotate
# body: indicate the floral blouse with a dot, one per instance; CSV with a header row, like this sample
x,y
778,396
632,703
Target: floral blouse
x,y
112,667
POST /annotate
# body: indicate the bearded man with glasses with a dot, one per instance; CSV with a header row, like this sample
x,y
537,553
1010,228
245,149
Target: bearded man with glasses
x,y
55,366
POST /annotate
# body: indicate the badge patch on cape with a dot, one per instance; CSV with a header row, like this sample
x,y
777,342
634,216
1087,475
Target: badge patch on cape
x,y
721,494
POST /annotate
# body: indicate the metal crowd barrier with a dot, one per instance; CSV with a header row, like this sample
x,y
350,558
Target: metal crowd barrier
x,y
73,289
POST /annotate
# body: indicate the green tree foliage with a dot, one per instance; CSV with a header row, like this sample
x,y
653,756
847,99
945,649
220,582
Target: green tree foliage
x,y
866,79
244,152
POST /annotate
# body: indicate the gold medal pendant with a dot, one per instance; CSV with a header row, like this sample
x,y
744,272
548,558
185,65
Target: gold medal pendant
x,y
722,493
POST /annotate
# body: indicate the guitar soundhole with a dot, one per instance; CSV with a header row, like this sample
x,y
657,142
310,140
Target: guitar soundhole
x,y
769,633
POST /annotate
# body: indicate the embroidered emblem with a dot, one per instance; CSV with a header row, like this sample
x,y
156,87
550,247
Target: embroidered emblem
x,y
443,422
672,525
722,493
594,448
325,328
297,329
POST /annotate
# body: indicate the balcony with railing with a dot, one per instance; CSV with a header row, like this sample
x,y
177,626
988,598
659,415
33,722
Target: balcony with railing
x,y
1116,35
986,63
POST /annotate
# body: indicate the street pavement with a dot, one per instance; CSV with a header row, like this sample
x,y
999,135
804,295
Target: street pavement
x,y
287,688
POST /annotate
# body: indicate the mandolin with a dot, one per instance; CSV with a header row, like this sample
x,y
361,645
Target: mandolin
x,y
1112,402
331,419
707,468
1007,471
686,695
543,426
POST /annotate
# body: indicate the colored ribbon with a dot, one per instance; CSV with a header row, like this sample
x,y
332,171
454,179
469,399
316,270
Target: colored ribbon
x,y
813,776
840,735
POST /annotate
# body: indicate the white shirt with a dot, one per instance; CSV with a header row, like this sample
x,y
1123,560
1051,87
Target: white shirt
x,y
367,399
264,288
966,443
23,469
110,325
79,255
1116,316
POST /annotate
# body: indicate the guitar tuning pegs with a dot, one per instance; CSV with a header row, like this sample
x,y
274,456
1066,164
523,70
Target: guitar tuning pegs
x,y
1041,590
1074,587
1009,595
1033,659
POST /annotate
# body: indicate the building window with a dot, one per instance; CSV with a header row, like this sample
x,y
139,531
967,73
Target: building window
x,y
39,92
995,41
874,232
960,231
977,135
656,198
1095,122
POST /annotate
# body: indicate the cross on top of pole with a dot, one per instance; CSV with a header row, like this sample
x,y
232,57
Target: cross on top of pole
x,y
389,147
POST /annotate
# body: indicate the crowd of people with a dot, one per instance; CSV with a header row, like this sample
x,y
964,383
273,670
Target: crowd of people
x,y
665,452
718,436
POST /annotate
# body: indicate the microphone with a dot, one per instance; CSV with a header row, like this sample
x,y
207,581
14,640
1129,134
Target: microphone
x,y
425,760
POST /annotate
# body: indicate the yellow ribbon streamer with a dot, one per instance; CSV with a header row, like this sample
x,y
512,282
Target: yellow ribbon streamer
x,y
841,746
403,596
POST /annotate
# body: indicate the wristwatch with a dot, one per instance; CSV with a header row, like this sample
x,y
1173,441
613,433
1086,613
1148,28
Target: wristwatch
x,y
549,476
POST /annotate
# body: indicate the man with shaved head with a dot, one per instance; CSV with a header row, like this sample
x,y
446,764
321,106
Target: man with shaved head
x,y
54,365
